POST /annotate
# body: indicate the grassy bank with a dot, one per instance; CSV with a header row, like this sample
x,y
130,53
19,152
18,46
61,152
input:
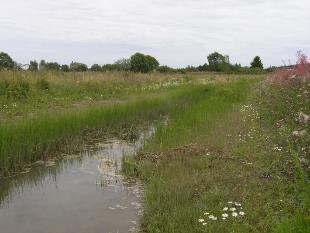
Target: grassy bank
x,y
31,139
223,164
29,94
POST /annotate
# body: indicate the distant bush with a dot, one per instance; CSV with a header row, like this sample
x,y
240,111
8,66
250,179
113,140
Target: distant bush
x,y
123,64
95,67
6,62
79,67
141,63
65,68
110,67
164,69
14,89
33,66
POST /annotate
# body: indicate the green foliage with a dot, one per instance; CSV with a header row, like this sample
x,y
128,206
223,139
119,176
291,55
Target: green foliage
x,y
42,65
257,63
14,89
110,67
218,62
141,63
6,62
297,224
95,67
203,67
164,69
65,68
78,67
49,66
123,64
52,66
28,140
33,66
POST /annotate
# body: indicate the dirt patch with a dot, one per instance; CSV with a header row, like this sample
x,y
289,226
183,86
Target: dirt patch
x,y
193,150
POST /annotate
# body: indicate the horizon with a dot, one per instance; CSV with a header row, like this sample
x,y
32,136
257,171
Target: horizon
x,y
178,34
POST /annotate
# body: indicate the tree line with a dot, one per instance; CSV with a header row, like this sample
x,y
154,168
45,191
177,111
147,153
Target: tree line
x,y
139,63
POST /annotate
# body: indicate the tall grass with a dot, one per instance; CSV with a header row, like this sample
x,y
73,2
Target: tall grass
x,y
28,140
214,151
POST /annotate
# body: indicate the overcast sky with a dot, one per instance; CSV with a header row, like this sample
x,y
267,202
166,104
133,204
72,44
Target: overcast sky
x,y
176,32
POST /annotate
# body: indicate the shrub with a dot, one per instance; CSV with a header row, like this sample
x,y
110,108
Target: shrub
x,y
79,67
143,63
299,72
65,68
6,62
95,67
33,66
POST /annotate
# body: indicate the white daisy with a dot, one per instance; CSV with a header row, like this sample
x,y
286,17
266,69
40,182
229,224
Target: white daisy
x,y
224,215
201,220
241,213
232,209
225,209
234,214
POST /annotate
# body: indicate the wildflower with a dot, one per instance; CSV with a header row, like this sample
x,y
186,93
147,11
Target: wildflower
x,y
232,209
241,213
201,220
224,215
225,209
204,223
236,203
224,218
230,202
206,213
212,217
234,214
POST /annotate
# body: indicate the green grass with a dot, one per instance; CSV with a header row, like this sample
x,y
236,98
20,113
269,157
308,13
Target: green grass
x,y
28,94
233,160
30,139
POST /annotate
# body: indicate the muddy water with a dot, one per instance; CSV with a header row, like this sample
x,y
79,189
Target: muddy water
x,y
85,194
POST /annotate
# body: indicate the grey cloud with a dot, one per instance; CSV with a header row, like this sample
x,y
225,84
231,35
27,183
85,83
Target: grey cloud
x,y
178,32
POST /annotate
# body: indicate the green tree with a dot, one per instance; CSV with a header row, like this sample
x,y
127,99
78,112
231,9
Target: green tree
x,y
52,66
95,67
42,65
123,64
164,69
143,63
78,67
218,62
33,66
65,68
6,62
257,63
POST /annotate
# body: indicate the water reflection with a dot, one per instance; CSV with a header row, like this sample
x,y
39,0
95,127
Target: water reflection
x,y
78,194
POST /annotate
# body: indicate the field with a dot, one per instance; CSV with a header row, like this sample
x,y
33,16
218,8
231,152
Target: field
x,y
228,159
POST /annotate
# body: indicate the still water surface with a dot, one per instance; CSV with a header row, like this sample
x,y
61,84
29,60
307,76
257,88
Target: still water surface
x,y
84,194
